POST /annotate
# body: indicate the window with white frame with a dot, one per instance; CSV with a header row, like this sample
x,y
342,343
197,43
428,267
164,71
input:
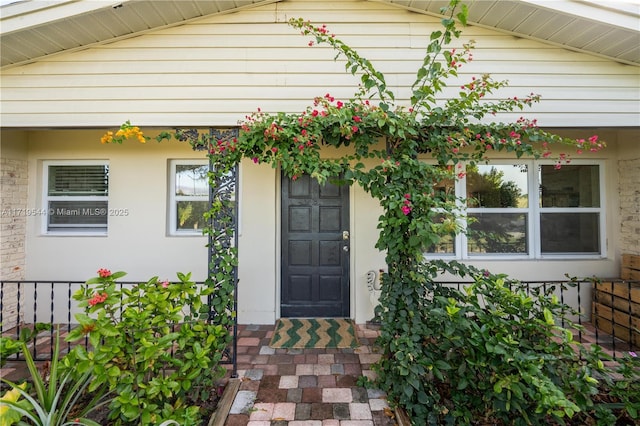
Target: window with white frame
x,y
531,209
188,196
76,196
498,209
570,209
447,244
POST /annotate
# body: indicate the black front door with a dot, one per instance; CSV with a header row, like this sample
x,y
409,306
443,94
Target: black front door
x,y
315,249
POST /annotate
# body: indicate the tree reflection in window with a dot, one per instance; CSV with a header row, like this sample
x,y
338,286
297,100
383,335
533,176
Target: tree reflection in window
x,y
191,194
497,199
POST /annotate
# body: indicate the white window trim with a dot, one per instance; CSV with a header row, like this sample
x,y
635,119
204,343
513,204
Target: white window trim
x,y
44,230
462,190
173,198
601,210
533,212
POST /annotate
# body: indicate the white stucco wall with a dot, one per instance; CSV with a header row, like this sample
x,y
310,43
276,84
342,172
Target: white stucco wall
x,y
139,243
259,247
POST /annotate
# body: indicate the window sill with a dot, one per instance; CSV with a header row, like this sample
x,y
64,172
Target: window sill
x,y
74,234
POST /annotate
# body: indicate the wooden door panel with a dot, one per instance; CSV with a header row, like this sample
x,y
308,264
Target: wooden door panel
x,y
315,258
300,219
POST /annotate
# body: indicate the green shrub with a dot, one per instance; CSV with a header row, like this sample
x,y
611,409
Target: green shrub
x,y
10,346
152,345
493,353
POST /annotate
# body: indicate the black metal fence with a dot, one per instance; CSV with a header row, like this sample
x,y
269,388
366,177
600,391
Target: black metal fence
x,y
608,312
49,305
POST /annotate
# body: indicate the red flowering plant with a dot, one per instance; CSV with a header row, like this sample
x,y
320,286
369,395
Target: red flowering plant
x,y
400,154
151,345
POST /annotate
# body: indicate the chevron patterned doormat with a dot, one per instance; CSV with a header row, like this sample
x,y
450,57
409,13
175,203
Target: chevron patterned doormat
x,y
314,333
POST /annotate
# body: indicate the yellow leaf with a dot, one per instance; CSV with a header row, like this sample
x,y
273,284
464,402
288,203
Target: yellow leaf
x,y
8,416
13,395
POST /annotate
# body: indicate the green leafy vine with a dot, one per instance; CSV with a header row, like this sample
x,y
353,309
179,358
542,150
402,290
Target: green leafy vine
x,y
399,154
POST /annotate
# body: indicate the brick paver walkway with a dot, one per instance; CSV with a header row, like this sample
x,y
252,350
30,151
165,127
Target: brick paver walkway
x,y
311,387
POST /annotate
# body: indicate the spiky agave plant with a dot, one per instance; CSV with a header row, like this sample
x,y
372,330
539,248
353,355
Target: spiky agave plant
x,y
54,398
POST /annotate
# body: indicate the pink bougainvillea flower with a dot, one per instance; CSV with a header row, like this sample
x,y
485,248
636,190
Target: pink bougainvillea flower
x,y
255,160
339,104
164,283
406,210
357,118
104,273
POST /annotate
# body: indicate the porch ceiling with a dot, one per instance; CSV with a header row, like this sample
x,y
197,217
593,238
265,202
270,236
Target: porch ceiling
x,y
608,29
31,29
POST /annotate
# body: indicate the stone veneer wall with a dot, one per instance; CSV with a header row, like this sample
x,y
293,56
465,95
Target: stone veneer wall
x,y
13,219
629,174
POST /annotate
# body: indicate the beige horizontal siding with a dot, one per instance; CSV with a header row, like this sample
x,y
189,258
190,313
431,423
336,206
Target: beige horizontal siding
x,y
156,61
324,65
216,70
577,82
262,92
